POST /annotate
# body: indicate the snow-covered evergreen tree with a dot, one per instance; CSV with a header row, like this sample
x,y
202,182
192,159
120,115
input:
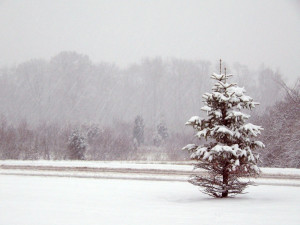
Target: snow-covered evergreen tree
x,y
162,130
228,156
138,130
161,133
77,145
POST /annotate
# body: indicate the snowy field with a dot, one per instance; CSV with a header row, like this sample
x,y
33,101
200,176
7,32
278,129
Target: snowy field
x,y
59,200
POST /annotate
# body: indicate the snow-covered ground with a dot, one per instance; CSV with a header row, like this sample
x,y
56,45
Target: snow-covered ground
x,y
57,200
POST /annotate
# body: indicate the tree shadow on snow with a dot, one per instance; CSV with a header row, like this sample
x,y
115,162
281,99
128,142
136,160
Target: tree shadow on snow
x,y
201,197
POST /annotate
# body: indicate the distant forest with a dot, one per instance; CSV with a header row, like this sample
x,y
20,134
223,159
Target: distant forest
x,y
71,108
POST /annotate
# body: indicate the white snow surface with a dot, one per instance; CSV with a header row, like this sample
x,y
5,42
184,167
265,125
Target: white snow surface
x,y
62,201
194,120
206,108
253,129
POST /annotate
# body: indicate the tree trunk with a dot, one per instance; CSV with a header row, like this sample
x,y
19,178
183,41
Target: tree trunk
x,y
225,183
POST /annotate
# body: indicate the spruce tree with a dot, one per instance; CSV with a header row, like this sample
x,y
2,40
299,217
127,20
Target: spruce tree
x,y
161,133
77,145
227,154
162,130
138,130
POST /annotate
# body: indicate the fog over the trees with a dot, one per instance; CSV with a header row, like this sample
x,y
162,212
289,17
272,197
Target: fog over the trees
x,y
70,88
251,32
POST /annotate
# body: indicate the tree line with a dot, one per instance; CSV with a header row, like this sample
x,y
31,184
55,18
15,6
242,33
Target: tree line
x,y
44,102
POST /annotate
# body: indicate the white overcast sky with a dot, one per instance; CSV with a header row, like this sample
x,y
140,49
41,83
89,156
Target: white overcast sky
x,y
251,32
